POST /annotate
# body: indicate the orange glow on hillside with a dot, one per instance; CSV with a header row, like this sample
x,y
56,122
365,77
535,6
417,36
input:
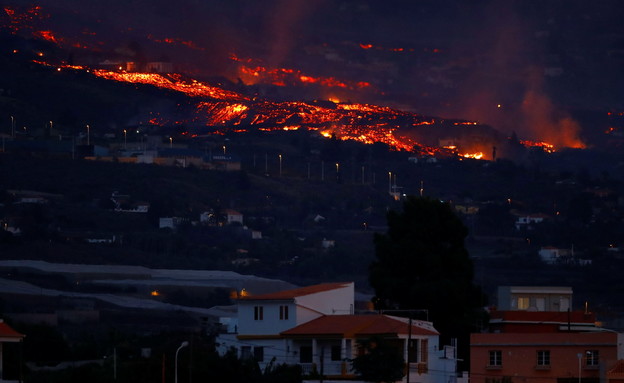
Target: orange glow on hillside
x,y
46,35
226,111
252,72
548,148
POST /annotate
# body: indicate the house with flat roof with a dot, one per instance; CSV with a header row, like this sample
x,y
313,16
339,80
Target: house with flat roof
x,y
535,336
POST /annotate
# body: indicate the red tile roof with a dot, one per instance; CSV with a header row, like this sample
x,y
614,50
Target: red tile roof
x,y
359,325
7,332
617,369
302,291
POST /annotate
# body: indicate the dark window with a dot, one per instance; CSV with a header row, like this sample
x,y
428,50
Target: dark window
x,y
258,312
496,358
245,352
335,353
543,358
592,357
413,351
305,354
259,354
283,312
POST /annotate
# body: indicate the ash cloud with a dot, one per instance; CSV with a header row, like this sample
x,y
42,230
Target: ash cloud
x,y
505,87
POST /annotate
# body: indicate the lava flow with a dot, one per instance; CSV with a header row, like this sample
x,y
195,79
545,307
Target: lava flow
x,y
251,72
221,110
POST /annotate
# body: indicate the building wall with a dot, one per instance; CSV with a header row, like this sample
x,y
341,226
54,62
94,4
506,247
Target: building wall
x,y
270,322
519,355
333,302
300,310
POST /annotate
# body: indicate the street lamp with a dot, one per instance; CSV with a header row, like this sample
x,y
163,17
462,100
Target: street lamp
x,y
12,127
184,344
125,139
170,142
280,162
88,138
390,182
580,358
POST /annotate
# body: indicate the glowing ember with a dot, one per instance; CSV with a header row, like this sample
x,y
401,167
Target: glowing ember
x,y
256,73
46,35
548,148
476,156
177,41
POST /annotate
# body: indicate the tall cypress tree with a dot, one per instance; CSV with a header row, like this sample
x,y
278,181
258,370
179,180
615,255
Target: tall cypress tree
x,y
422,263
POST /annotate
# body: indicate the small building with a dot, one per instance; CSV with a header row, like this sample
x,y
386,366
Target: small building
x,y
7,335
534,298
232,216
529,221
159,67
554,255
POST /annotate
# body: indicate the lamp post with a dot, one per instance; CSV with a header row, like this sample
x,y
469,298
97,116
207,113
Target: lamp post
x,y
88,137
580,358
280,163
125,139
184,344
12,127
170,142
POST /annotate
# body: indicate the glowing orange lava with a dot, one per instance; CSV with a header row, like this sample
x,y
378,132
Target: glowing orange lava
x,y
251,72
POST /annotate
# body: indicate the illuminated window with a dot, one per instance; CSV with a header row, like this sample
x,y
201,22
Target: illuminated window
x,y
523,303
258,312
496,358
283,313
543,358
591,357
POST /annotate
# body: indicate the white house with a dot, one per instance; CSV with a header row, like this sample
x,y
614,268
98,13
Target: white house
x,y
315,327
233,216
553,255
528,221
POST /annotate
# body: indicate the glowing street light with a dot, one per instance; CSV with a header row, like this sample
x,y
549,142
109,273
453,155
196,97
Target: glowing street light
x,y
170,142
224,150
390,182
280,163
184,344
125,139
88,138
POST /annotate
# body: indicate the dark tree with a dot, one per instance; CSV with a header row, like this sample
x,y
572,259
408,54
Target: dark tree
x,y
422,264
381,362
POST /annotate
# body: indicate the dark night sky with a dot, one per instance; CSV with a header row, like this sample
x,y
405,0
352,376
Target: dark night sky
x,y
517,65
